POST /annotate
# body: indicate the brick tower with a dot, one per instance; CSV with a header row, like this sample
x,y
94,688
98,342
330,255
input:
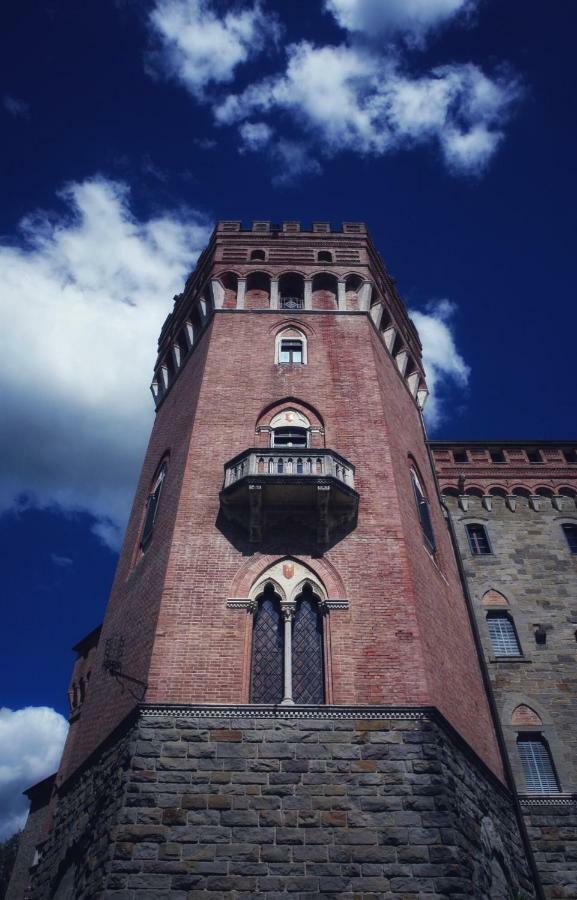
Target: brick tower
x,y
286,693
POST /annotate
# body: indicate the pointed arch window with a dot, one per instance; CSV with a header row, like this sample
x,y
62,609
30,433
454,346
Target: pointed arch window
x,y
152,507
287,663
537,764
307,651
266,682
424,511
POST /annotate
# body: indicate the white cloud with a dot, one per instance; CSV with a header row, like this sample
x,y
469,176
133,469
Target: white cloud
x,y
31,742
444,365
200,49
411,18
346,98
255,135
83,299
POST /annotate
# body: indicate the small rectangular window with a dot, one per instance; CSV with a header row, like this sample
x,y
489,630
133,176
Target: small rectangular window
x,y
497,456
478,540
571,535
537,765
534,456
291,352
460,456
503,635
570,455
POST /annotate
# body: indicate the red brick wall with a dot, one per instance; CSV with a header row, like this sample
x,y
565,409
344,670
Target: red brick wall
x,y
405,639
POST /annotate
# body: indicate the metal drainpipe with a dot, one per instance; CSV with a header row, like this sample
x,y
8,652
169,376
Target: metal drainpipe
x,y
509,778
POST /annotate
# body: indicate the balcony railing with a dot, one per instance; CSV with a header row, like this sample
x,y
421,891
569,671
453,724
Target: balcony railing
x,y
289,462
292,303
268,490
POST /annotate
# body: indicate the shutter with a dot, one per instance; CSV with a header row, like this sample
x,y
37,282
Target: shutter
x,y
537,766
307,651
266,683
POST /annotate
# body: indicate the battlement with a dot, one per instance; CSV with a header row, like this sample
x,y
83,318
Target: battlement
x,y
291,227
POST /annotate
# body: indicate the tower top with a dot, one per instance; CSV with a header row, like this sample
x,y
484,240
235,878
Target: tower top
x,y
277,267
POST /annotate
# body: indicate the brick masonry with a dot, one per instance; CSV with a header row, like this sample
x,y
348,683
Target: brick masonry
x,y
339,804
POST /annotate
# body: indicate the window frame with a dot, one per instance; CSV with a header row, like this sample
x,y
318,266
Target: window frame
x,y
151,506
505,616
290,332
289,428
569,530
291,351
471,545
539,739
423,511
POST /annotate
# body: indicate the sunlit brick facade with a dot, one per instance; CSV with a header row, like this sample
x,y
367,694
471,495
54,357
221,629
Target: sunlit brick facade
x,y
288,693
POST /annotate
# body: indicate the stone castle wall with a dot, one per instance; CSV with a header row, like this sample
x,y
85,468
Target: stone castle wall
x,y
308,803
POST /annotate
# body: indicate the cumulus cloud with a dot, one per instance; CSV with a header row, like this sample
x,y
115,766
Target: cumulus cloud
x,y
360,96
413,19
199,49
84,296
347,98
31,742
444,365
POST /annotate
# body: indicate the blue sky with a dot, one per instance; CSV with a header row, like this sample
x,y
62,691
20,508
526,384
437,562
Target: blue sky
x,y
129,127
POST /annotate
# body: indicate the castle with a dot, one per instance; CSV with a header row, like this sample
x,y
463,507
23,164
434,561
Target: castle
x,y
338,659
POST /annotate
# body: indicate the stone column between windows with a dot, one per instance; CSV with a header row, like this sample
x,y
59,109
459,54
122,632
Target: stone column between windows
x,y
274,293
240,292
308,293
288,612
342,296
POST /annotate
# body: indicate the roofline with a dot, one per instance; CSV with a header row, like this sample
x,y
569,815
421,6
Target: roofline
x,y
87,639
508,443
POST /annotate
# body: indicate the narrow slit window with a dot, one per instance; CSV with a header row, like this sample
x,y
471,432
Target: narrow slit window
x,y
570,532
478,540
537,765
152,508
503,636
424,512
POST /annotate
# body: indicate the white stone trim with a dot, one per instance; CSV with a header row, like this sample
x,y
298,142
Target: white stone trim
x,y
222,711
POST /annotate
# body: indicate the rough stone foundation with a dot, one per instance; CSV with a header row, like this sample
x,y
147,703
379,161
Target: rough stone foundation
x,y
200,803
552,828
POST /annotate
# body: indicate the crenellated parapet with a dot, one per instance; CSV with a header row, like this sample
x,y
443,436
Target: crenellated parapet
x,y
278,268
535,474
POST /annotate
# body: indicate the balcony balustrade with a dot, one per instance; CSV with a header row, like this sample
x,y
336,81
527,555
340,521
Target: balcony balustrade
x,y
313,488
292,303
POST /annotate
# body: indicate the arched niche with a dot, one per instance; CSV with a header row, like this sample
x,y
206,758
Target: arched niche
x,y
353,284
229,282
291,289
257,294
324,291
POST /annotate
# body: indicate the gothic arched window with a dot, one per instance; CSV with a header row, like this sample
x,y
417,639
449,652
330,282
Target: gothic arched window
x,y
266,682
307,651
291,634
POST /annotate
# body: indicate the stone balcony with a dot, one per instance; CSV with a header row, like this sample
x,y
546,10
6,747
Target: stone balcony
x,y
266,489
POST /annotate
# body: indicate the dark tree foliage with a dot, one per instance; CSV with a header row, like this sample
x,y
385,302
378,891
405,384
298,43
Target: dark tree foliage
x,y
8,851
